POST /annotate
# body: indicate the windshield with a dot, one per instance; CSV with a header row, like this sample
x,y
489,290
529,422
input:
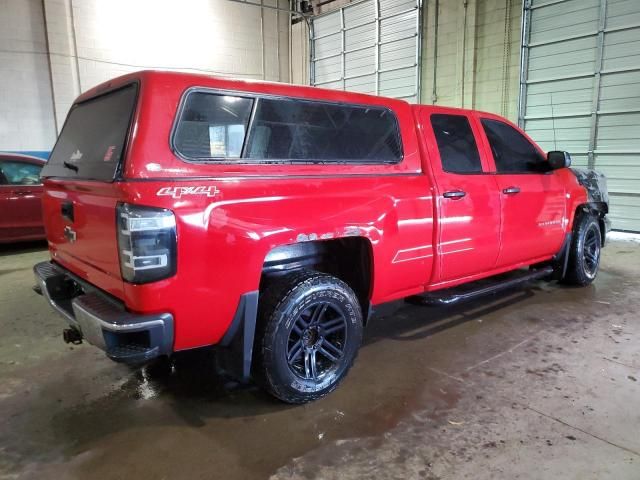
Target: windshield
x,y
93,138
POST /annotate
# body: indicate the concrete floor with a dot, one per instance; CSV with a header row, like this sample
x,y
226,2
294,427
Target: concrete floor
x,y
538,383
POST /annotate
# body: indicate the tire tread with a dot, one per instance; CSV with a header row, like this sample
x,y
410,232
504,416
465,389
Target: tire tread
x,y
275,295
575,274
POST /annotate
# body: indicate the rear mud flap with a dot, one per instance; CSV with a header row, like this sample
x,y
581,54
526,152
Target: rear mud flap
x,y
234,355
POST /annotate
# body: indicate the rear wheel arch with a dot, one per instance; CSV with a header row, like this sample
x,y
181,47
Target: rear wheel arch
x,y
349,259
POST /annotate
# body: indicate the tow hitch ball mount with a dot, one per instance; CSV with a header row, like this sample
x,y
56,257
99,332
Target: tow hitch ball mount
x,y
71,335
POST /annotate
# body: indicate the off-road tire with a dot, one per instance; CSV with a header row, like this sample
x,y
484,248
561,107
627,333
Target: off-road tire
x,y
284,303
584,254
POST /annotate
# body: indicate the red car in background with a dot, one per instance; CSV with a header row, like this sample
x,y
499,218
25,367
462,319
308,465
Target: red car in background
x,y
20,198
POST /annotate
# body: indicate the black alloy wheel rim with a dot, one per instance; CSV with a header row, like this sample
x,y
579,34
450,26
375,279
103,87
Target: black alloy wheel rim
x,y
591,251
317,341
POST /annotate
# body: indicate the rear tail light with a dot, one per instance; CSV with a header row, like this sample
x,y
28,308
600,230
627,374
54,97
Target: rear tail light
x,y
146,243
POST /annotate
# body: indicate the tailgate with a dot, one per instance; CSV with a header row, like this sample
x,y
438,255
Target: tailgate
x,y
80,220
80,198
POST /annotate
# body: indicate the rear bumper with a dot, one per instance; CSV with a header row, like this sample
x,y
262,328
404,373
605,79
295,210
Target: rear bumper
x,y
102,320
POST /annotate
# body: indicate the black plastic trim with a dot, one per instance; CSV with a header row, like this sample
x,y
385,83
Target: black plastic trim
x,y
561,260
103,320
235,350
454,296
275,177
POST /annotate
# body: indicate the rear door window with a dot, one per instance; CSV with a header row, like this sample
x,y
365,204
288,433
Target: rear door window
x,y
456,144
92,141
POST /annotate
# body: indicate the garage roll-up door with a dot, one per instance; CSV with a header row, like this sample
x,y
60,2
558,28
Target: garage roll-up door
x,y
580,90
371,46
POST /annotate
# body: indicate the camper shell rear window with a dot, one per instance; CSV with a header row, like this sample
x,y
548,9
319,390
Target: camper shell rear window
x,y
92,142
227,127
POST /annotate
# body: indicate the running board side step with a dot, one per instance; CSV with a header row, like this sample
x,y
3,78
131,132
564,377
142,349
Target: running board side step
x,y
463,293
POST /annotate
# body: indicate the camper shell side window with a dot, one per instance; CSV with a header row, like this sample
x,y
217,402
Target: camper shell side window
x,y
225,127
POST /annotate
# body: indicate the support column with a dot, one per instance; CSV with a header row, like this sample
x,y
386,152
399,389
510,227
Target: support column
x,y
470,57
596,85
525,33
63,56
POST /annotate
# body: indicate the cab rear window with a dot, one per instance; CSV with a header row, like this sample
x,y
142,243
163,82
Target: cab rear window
x,y
219,127
92,142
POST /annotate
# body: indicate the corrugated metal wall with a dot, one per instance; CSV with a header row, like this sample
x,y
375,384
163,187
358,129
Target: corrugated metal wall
x,y
580,86
471,54
497,62
371,46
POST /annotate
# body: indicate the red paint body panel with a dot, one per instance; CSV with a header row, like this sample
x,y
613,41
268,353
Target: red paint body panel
x,y
94,256
468,228
419,241
20,205
534,220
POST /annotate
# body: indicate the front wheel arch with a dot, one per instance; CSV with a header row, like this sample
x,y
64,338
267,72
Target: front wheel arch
x,y
596,209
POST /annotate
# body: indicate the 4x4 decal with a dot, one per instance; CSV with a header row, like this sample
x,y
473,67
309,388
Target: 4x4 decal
x,y
177,192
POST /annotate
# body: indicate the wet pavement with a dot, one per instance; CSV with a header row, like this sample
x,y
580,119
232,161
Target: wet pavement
x,y
535,383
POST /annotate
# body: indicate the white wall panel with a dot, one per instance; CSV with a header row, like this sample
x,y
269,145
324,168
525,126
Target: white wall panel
x,y
53,50
26,102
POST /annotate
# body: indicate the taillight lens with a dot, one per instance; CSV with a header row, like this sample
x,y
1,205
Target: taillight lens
x,y
146,243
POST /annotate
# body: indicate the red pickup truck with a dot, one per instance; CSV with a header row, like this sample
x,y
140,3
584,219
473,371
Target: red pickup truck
x,y
268,220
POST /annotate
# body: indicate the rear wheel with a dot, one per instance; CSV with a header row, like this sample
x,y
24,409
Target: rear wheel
x,y
311,331
584,255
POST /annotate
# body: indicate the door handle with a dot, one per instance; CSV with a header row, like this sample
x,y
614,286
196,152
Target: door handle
x,y
454,194
511,190
21,193
66,210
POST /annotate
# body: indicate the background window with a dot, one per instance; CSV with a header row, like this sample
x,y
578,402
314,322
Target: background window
x,y
20,173
456,143
289,129
213,126
512,152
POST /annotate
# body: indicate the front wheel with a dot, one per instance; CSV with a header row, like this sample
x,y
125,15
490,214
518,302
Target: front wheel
x,y
584,256
311,330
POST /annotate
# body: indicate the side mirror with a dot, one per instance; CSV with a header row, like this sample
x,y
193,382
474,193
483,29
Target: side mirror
x,y
558,159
